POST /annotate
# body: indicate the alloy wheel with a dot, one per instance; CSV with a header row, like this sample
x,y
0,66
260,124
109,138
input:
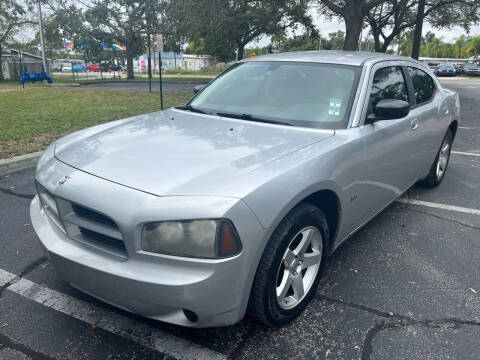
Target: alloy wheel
x,y
299,267
443,157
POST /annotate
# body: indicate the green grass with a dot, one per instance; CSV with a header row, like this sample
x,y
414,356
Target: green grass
x,y
33,117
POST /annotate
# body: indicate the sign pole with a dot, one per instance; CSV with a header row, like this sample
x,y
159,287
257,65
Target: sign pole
x,y
149,65
160,50
160,69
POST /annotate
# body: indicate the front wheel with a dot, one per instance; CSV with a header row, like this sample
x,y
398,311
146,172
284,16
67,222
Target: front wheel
x,y
290,267
439,166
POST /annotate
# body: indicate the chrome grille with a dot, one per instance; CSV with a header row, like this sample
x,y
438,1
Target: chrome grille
x,y
83,224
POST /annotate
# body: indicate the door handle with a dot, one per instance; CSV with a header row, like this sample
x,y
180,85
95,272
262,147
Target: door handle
x,y
415,124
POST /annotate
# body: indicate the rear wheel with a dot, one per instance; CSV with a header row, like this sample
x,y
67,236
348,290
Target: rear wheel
x,y
290,267
439,166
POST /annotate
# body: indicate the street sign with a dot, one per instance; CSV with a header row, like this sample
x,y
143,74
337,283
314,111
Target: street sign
x,y
160,43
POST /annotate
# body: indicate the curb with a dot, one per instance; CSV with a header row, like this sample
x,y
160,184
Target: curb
x,y
18,163
64,85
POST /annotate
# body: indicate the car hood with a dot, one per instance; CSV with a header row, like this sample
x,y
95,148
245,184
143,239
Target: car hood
x,y
178,152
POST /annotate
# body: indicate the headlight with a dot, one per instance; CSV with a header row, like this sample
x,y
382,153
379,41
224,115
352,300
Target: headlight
x,y
194,238
47,155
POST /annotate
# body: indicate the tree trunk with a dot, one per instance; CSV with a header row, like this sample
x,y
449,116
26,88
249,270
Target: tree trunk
x,y
130,74
376,39
241,49
129,56
417,37
353,27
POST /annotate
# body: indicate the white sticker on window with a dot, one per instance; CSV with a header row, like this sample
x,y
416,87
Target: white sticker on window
x,y
334,107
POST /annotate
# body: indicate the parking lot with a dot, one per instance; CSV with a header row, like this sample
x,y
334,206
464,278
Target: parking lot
x,y
406,286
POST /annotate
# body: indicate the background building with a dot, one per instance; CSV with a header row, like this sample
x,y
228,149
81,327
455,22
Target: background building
x,y
14,62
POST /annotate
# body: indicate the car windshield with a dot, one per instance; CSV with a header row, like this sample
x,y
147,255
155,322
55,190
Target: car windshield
x,y
446,66
470,66
300,94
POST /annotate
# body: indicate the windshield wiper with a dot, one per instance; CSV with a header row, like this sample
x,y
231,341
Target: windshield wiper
x,y
191,108
252,118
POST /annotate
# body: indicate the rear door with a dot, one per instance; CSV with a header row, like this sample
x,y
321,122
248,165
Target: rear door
x,y
428,109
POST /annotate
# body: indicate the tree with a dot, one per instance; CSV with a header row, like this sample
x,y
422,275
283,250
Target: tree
x,y
460,43
473,48
196,47
54,43
303,42
13,17
417,35
353,13
126,22
335,41
394,16
237,22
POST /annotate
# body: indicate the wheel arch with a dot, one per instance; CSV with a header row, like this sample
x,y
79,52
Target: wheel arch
x,y
329,202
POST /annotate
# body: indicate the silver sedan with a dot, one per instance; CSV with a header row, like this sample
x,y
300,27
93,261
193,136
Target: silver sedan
x,y
233,201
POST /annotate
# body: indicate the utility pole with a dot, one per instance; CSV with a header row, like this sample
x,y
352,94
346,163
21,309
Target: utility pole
x,y
42,44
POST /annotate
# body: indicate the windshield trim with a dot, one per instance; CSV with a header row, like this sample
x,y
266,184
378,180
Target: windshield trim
x,y
295,122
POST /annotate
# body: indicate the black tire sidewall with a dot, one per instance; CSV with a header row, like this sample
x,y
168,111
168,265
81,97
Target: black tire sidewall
x,y
307,216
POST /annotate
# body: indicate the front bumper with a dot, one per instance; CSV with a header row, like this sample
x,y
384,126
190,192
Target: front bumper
x,y
152,285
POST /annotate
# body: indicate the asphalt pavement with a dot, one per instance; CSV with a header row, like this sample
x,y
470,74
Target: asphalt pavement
x,y
406,286
184,86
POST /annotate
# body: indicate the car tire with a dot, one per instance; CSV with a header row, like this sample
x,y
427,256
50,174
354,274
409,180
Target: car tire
x,y
439,166
292,260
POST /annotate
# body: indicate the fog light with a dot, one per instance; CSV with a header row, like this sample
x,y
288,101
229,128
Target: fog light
x,y
190,315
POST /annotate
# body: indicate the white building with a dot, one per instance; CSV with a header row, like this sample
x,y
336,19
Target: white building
x,y
172,61
197,62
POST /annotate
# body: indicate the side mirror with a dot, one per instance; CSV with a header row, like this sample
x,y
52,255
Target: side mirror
x,y
389,109
198,88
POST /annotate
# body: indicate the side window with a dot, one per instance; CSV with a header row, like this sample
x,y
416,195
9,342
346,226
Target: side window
x,y
423,85
388,83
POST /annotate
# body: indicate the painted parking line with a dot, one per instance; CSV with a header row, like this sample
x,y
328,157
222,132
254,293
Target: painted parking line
x,y
465,153
110,321
439,206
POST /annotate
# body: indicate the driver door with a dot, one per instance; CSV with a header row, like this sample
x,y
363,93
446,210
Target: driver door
x,y
391,148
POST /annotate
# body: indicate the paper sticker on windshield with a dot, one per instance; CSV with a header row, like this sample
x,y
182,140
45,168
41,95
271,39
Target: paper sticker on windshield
x,y
334,107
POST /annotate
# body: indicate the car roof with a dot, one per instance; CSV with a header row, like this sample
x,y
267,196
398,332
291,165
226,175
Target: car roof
x,y
356,58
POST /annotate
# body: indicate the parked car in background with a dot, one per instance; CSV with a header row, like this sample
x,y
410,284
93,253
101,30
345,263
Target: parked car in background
x,y
445,70
79,68
471,69
432,67
459,69
56,67
114,67
66,67
93,67
268,172
137,69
